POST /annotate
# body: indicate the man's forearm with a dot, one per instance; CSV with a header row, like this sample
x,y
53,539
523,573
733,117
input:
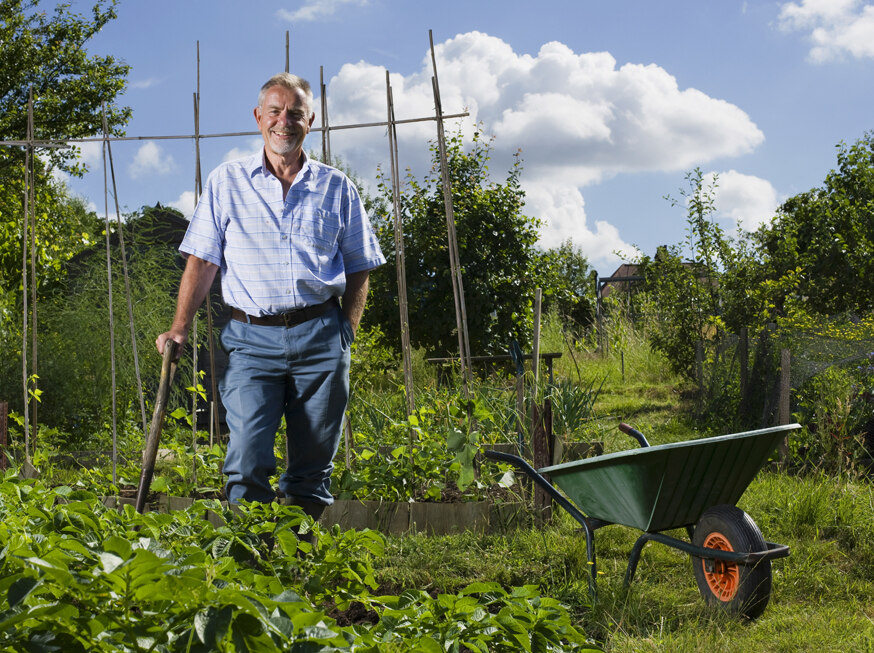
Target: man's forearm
x,y
195,283
193,287
355,297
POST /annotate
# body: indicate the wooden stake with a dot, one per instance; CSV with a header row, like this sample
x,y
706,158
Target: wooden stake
x,y
33,285
326,132
785,414
111,316
535,358
198,189
96,139
454,263
400,261
4,434
25,245
127,290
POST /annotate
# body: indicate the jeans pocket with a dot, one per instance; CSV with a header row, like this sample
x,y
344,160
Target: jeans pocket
x,y
346,333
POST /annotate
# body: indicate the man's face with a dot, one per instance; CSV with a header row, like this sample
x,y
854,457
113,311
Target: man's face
x,y
284,118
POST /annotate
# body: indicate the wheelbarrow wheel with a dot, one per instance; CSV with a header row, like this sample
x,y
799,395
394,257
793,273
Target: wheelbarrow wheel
x,y
733,587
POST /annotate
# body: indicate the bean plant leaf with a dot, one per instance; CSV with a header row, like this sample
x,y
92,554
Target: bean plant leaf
x,y
429,645
455,440
221,547
21,589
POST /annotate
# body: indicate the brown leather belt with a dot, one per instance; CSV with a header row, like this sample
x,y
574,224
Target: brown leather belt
x,y
289,319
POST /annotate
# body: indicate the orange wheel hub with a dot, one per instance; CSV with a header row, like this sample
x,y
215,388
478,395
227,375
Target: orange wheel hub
x,y
724,578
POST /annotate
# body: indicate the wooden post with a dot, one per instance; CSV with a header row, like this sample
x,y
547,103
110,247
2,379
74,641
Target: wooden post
x,y
535,358
454,262
542,447
326,134
215,423
784,414
127,289
599,315
111,315
520,412
743,354
287,51
4,433
400,259
348,441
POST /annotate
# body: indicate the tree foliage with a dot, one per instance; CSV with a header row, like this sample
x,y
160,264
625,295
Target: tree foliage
x,y
46,53
43,53
568,285
496,248
818,253
685,294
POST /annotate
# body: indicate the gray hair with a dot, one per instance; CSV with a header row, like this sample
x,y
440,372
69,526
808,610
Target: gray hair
x,y
288,81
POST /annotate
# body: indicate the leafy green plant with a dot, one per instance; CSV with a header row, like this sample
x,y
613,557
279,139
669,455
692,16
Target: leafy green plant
x,y
832,411
77,576
573,404
435,456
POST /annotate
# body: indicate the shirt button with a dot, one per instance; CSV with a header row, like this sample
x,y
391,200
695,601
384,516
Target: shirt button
x,y
284,237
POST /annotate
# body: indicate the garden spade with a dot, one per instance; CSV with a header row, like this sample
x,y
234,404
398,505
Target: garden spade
x,y
150,453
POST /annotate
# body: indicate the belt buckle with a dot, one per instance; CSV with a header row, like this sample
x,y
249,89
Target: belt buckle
x,y
289,318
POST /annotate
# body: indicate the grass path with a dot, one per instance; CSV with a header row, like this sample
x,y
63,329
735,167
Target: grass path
x,y
823,594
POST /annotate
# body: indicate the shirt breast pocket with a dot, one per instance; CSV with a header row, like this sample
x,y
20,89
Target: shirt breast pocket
x,y
321,231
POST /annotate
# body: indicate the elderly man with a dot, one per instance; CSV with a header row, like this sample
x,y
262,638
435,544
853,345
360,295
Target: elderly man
x,y
290,236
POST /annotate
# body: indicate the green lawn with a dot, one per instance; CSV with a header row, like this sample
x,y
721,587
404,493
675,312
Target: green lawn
x,y
823,594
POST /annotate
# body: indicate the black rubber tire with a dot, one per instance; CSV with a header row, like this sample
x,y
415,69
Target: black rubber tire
x,y
737,589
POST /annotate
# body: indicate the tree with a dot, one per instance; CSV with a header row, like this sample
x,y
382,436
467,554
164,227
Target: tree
x,y
818,253
686,294
566,279
46,54
496,249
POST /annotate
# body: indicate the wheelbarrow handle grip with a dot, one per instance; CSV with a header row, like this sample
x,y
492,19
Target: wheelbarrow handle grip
x,y
634,433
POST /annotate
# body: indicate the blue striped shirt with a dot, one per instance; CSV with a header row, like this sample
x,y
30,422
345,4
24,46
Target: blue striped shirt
x,y
277,255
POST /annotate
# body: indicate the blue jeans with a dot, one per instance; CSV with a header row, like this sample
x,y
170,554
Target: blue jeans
x,y
301,372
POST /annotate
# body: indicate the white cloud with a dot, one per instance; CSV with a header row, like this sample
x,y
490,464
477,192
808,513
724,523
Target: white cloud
x,y
254,146
578,119
145,83
562,209
747,201
184,204
837,27
91,154
151,160
317,9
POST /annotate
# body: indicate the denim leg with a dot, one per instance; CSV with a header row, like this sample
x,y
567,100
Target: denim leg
x,y
316,399
253,391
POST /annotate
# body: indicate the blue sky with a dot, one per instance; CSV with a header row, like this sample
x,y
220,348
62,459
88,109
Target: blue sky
x,y
611,103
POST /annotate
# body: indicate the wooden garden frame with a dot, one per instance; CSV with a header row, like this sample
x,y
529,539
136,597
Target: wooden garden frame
x,y
29,317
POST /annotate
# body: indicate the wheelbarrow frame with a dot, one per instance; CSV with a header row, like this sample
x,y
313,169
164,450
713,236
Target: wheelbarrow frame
x,y
590,525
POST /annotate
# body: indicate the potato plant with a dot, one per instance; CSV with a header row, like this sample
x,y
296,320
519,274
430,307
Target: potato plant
x,y
78,576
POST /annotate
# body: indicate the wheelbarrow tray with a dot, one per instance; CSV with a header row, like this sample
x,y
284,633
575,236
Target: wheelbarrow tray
x,y
670,485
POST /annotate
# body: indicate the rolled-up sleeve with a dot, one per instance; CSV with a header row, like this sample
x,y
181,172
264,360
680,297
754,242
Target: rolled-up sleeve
x,y
359,246
204,237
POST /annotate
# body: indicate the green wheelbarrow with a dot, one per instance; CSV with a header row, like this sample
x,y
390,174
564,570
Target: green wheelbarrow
x,y
692,485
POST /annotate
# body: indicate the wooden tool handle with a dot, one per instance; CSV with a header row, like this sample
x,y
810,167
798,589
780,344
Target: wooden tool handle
x,y
150,453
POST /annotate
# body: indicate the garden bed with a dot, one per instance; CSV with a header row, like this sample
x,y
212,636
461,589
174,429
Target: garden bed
x,y
387,517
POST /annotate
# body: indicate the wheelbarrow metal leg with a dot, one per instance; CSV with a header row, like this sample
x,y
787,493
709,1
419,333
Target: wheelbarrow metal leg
x,y
589,525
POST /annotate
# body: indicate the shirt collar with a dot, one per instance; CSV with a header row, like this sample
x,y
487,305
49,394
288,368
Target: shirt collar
x,y
258,164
